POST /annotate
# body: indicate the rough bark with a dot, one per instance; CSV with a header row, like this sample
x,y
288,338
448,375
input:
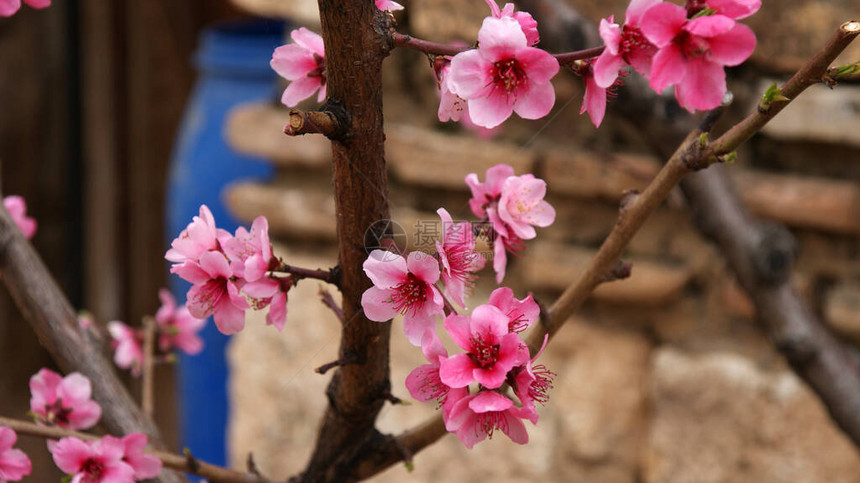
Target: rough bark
x,y
356,39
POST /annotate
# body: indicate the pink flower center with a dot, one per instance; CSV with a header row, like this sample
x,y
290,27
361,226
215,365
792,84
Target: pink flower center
x,y
409,295
539,388
517,321
461,259
490,421
55,413
93,470
483,353
692,46
633,43
508,74
433,387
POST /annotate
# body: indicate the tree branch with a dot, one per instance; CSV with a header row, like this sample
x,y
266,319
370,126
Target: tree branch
x,y
353,30
435,48
182,463
45,307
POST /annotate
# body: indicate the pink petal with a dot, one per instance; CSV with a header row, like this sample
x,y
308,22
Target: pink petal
x,y
703,87
487,401
228,318
216,265
43,388
14,465
515,429
733,47
376,305
292,62
488,319
536,101
668,68
299,90
637,9
595,103
38,3
416,382
491,377
606,69
492,110
469,75
424,266
710,25
459,328
7,438
70,454
416,327
277,315
736,9
203,298
500,260
75,387
432,347
385,269
85,415
9,7
457,370
610,32
500,34
661,23
190,271
539,65
261,289
309,40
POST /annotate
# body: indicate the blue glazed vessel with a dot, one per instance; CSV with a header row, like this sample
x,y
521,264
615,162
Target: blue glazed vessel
x,y
233,66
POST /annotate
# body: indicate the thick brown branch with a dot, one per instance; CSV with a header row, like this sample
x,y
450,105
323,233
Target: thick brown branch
x,y
45,307
761,255
148,391
170,460
357,39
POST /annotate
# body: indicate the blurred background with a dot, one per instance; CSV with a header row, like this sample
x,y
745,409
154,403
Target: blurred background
x,y
117,119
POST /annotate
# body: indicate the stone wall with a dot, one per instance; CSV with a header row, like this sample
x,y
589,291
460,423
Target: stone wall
x,y
664,377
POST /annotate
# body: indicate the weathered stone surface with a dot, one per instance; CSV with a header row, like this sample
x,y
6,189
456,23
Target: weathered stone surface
x,y
720,418
552,266
301,11
842,310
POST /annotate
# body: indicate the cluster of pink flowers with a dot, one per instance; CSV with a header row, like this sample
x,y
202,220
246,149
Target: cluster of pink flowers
x,y
9,7
229,273
494,354
687,48
66,402
17,208
176,329
14,463
512,206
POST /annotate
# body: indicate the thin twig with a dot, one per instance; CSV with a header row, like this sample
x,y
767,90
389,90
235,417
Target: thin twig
x,y
328,276
436,48
170,460
148,392
329,302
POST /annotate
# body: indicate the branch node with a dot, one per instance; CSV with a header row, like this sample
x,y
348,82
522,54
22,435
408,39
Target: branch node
x,y
349,358
325,122
697,155
627,199
191,461
620,271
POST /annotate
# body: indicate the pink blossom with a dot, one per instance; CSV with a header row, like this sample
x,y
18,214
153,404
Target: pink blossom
x,y
215,292
423,382
694,52
277,315
9,7
177,327
388,5
526,21
475,417
522,206
198,237
144,465
532,384
504,75
99,461
17,208
63,402
127,344
302,63
491,349
487,193
521,314
451,106
404,286
14,463
625,45
250,253
457,255
594,101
